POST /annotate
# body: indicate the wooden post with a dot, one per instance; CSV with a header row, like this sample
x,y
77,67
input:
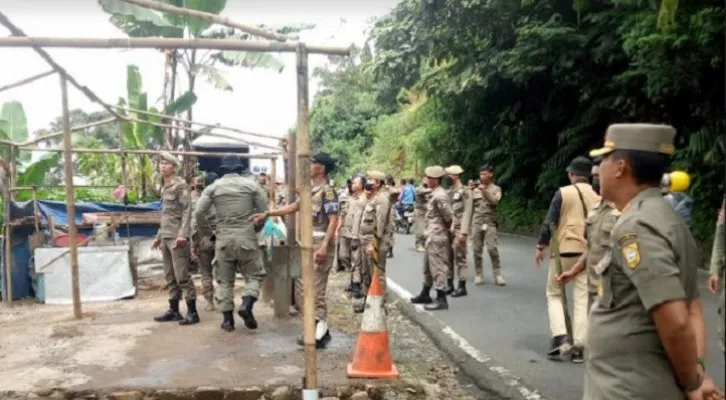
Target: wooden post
x,y
123,182
70,200
36,211
306,222
292,186
273,183
8,248
12,182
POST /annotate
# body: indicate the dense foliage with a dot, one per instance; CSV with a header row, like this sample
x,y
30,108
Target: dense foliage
x,y
528,86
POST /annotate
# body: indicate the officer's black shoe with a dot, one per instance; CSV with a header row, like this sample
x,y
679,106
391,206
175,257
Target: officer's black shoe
x,y
461,290
359,307
356,291
228,323
449,286
424,297
192,315
440,304
576,355
560,346
245,312
321,343
172,314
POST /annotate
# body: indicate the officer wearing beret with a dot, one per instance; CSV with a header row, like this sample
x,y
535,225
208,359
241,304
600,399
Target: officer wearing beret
x,y
173,240
325,208
646,332
437,261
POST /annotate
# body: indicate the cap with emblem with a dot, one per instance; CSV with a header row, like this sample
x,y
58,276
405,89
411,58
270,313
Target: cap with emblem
x,y
581,166
651,138
166,156
435,172
454,170
325,160
377,175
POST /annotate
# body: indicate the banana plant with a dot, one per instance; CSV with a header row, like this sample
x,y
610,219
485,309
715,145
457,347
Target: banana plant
x,y
14,127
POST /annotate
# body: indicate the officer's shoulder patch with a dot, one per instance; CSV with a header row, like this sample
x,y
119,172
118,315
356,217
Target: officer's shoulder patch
x,y
329,195
627,238
631,253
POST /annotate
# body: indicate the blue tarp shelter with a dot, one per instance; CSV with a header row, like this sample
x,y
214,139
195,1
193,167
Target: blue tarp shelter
x,y
21,257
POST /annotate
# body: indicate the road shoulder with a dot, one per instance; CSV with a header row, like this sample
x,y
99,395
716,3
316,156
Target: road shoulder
x,y
487,375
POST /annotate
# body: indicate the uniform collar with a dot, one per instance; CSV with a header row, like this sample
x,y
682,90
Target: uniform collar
x,y
643,195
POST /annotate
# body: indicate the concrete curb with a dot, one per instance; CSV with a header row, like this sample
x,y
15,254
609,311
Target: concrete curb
x,y
489,377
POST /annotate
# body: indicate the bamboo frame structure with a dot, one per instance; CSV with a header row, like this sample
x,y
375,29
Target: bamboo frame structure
x,y
217,126
26,80
151,152
300,151
166,43
73,129
208,17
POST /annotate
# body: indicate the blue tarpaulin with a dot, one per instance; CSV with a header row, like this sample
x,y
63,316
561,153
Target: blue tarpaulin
x,y
22,283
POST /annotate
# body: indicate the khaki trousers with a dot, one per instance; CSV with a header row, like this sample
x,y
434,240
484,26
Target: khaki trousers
x,y
460,264
176,270
437,261
489,239
556,308
322,272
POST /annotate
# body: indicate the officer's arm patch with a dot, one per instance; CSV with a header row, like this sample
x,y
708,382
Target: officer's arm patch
x,y
330,202
631,253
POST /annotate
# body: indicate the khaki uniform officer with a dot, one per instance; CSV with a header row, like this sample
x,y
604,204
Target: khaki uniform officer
x,y
203,246
173,239
349,237
419,215
486,197
646,338
717,269
437,261
375,225
462,205
235,198
325,208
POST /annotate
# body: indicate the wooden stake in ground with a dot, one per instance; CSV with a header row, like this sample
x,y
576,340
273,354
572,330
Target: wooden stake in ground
x,y
70,201
306,222
8,247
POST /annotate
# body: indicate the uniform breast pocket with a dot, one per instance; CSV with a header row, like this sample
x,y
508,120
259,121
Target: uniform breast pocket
x,y
606,231
169,200
369,214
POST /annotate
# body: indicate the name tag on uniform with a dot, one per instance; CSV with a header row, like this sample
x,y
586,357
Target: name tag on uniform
x,y
457,196
484,227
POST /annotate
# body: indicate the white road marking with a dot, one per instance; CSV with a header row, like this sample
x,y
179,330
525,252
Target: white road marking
x,y
511,379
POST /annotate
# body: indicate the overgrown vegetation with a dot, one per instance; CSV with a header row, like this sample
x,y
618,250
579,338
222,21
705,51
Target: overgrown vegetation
x,y
528,86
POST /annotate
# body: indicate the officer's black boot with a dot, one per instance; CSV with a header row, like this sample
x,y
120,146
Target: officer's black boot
x,y
560,346
450,286
228,323
461,290
576,355
440,304
192,315
358,297
424,297
245,312
172,314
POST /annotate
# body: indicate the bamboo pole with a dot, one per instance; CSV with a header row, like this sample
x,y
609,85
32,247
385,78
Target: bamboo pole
x,y
13,170
61,133
306,223
70,201
19,34
36,211
123,182
35,187
8,248
208,17
151,152
217,126
189,129
164,43
273,183
26,81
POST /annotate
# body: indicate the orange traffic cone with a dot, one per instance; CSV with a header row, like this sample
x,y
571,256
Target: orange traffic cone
x,y
372,358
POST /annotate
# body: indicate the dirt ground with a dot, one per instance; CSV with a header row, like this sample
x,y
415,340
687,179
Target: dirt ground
x,y
117,345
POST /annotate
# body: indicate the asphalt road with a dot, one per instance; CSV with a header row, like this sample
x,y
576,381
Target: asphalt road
x,y
510,325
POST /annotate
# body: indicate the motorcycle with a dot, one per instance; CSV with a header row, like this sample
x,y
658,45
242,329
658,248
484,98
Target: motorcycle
x,y
404,219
